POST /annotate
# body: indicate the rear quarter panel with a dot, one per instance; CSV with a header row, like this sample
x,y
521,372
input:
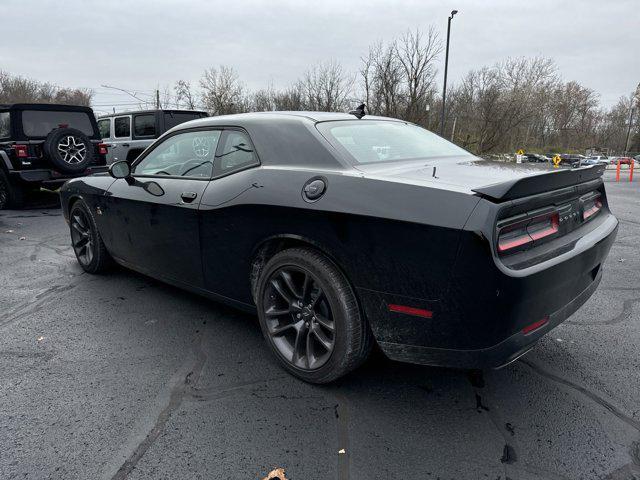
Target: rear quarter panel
x,y
385,236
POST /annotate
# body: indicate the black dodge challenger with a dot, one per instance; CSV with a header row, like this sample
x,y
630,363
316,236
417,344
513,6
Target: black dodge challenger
x,y
343,231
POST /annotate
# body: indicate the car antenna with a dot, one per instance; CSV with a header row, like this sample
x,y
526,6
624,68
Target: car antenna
x,y
358,112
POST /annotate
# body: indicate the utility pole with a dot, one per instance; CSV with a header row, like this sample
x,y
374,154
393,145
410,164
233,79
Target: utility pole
x,y
157,99
634,99
446,66
626,142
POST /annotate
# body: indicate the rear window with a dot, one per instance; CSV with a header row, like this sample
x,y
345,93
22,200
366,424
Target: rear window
x,y
122,127
104,127
5,125
171,119
144,125
38,123
372,141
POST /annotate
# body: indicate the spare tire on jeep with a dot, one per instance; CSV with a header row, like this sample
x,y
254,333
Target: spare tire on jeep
x,y
68,149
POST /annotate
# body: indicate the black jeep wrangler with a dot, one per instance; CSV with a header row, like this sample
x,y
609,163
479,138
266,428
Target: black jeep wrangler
x,y
43,145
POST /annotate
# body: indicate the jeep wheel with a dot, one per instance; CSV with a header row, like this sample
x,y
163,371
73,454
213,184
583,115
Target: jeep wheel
x,y
11,196
69,150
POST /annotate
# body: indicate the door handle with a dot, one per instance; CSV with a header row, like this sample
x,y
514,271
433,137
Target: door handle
x,y
125,145
188,197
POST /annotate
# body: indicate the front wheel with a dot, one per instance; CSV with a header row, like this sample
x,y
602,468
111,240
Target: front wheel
x,y
310,316
87,243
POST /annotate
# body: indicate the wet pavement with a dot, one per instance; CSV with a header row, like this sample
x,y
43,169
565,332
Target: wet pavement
x,y
118,376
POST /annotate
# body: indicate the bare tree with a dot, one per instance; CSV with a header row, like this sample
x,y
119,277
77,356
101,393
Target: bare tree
x,y
417,54
185,95
398,79
222,91
15,89
325,87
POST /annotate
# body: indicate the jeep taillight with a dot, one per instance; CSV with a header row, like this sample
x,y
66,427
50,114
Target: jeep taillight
x,y
524,232
102,148
21,151
591,207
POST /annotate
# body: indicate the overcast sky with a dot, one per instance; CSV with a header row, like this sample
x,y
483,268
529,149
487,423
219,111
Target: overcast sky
x,y
143,44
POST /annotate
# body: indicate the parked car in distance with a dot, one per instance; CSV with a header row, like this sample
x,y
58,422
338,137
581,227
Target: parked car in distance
x,y
596,160
340,230
622,160
43,145
128,133
537,158
571,160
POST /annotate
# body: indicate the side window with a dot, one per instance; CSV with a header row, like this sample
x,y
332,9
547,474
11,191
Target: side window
x,y
236,152
187,154
5,125
144,125
122,127
104,126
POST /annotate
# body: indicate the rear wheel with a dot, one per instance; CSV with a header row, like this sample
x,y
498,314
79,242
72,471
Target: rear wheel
x,y
11,195
87,243
310,316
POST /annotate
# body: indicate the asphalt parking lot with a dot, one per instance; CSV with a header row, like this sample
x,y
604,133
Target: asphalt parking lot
x,y
119,376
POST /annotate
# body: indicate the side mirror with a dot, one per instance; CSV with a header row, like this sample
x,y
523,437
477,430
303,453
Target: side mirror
x,y
120,169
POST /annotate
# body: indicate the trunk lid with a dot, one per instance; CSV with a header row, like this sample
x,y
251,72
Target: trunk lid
x,y
497,181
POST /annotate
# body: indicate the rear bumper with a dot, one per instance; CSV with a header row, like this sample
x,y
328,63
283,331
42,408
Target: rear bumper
x,y
496,356
479,322
48,177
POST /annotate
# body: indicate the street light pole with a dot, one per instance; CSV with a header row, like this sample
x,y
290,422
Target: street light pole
x,y
446,66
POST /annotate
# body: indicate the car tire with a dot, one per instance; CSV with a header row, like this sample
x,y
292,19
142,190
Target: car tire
x,y
11,195
318,344
86,241
69,150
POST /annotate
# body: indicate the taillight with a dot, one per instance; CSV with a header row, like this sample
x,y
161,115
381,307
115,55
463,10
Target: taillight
x,y
524,232
591,207
544,226
21,151
513,236
102,149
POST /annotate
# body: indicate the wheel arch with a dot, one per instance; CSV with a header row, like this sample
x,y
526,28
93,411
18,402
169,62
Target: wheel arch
x,y
268,247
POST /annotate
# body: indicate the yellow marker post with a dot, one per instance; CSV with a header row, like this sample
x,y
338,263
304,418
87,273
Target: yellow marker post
x,y
556,161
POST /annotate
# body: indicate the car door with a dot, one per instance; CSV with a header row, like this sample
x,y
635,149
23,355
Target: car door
x,y
144,132
105,129
121,137
153,215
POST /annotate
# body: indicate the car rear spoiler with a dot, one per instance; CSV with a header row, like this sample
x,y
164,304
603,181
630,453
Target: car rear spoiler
x,y
545,182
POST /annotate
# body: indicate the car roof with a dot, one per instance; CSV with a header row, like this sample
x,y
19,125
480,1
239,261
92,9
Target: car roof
x,y
256,118
154,110
45,106
284,138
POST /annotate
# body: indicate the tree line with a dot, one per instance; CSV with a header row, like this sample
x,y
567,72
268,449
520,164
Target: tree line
x,y
518,103
18,89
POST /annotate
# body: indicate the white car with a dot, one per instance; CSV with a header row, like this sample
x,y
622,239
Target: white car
x,y
596,159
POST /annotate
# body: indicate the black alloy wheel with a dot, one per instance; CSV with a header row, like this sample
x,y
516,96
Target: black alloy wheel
x,y
82,237
310,316
299,318
86,241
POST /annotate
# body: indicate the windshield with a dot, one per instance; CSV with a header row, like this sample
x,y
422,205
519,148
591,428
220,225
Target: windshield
x,y
38,123
373,141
